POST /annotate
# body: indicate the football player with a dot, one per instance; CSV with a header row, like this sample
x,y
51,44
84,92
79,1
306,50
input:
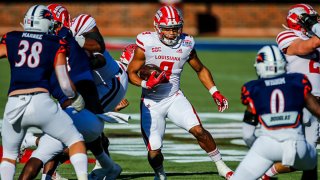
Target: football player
x,y
169,48
110,77
33,56
300,43
276,101
86,122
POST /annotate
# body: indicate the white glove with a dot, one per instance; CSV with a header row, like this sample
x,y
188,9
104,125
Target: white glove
x,y
81,40
78,102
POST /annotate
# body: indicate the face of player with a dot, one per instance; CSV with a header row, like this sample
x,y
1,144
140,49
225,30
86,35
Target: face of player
x,y
171,33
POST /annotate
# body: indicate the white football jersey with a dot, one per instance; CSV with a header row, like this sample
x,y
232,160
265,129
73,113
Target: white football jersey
x,y
170,59
308,64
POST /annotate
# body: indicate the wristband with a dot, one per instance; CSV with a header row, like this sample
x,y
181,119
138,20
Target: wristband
x,y
213,90
144,84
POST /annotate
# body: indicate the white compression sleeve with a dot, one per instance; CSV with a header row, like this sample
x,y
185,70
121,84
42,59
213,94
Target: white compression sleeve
x,y
64,81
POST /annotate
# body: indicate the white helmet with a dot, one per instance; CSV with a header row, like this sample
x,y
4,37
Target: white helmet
x,y
270,62
38,19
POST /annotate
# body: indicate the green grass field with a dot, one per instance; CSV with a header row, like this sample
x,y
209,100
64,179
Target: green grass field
x,y
230,70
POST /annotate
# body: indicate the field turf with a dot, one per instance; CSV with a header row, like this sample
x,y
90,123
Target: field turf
x,y
230,70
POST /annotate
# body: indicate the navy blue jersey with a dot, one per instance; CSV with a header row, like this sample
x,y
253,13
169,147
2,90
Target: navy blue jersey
x,y
31,56
78,65
277,101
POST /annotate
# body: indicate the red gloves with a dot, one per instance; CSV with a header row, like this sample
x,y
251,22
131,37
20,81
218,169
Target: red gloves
x,y
153,80
220,100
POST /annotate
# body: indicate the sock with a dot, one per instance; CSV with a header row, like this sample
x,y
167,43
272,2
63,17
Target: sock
x,y
215,155
80,164
46,177
7,170
272,171
105,161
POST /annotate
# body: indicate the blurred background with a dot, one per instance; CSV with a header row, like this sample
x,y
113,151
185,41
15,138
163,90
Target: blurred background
x,y
202,18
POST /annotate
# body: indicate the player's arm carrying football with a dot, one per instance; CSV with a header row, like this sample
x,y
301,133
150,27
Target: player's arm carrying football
x,y
137,62
206,79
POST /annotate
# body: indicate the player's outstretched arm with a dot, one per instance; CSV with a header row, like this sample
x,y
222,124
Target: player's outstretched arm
x,y
206,79
65,82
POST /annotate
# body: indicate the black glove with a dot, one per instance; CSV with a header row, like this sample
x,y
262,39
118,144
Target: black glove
x,y
307,21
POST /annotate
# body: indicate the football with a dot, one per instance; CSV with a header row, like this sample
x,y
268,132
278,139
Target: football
x,y
146,70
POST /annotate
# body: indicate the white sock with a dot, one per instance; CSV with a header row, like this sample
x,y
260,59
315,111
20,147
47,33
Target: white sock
x,y
272,171
7,170
80,164
105,161
46,177
215,155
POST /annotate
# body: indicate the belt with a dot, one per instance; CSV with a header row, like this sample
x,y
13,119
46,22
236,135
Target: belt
x,y
28,94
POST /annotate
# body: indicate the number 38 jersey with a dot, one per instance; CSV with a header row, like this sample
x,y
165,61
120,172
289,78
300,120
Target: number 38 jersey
x,y
31,58
307,64
170,59
278,103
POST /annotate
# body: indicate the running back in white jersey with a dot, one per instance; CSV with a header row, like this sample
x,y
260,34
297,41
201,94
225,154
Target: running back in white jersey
x,y
170,59
308,64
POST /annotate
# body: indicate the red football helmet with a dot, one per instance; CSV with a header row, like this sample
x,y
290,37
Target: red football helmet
x,y
127,54
168,17
295,13
60,14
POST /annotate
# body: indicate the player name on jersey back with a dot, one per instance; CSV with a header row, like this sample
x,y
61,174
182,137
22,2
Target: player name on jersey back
x,y
274,82
31,35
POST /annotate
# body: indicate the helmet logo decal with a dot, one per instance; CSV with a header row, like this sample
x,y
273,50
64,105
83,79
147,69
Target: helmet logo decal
x,y
260,57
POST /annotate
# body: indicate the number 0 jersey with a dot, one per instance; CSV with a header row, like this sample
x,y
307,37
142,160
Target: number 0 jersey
x,y
278,103
31,56
307,64
170,59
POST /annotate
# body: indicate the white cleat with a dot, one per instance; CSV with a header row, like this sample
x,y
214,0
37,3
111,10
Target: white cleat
x,y
224,170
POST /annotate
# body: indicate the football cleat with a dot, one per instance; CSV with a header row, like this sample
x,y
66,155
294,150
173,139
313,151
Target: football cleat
x,y
264,177
98,174
160,175
224,170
